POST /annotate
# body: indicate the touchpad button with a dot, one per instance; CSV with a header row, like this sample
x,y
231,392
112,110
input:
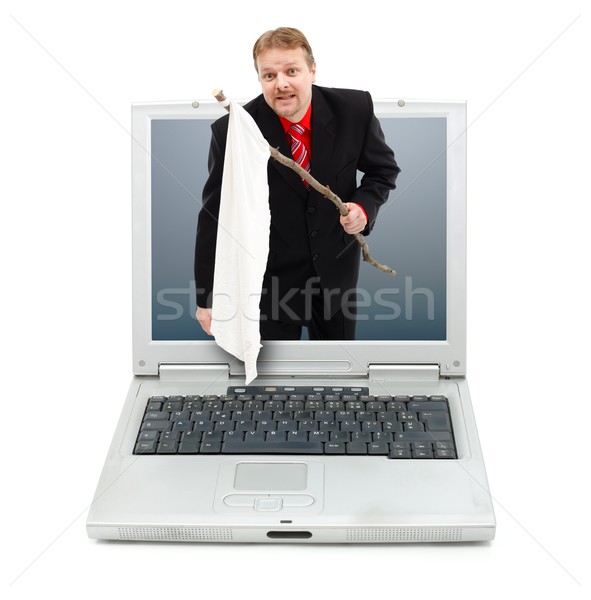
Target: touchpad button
x,y
271,476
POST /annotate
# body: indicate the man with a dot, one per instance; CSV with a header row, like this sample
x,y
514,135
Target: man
x,y
313,262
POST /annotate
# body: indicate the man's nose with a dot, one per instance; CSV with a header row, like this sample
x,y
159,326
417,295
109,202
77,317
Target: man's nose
x,y
281,81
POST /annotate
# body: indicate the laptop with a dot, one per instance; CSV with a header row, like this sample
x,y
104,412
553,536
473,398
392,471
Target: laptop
x,y
388,445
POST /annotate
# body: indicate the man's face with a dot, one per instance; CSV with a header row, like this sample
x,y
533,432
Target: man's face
x,y
286,80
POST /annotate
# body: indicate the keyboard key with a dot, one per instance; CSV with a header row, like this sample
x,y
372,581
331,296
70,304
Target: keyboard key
x,y
297,436
262,447
400,446
157,416
444,446
203,426
423,436
242,415
401,398
335,448
378,448
276,436
318,436
420,398
436,420
262,415
356,448
182,426
189,446
413,426
167,447
158,399
350,426
145,447
382,436
210,447
221,415
445,453
172,405
294,405
180,415
282,415
364,415
406,415
328,426
426,453
224,426
334,405
355,405
246,426
427,406
400,453
273,405
233,405
266,426
314,405
371,426
254,405
156,426
308,426
303,415
344,415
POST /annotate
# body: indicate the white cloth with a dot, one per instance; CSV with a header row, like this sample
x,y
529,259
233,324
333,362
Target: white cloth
x,y
242,241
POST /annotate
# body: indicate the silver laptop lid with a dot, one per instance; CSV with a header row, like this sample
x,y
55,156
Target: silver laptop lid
x,y
414,318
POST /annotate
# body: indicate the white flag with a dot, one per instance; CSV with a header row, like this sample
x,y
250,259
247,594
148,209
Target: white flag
x,y
242,241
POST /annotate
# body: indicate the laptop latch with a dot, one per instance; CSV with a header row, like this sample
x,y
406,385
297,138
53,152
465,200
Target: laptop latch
x,y
190,372
385,372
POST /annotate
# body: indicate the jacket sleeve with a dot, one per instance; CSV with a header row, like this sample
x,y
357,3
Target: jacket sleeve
x,y
207,222
379,168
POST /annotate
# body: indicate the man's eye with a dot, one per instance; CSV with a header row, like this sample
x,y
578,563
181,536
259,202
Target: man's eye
x,y
268,76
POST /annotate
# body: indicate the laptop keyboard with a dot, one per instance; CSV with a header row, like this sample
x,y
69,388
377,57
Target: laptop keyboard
x,y
298,420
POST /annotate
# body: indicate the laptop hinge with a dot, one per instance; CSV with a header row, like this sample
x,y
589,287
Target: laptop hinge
x,y
190,372
404,372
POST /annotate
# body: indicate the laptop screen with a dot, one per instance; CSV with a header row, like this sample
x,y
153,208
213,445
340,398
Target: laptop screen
x,y
412,231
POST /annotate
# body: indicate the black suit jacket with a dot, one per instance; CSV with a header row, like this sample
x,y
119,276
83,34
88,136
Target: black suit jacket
x,y
306,237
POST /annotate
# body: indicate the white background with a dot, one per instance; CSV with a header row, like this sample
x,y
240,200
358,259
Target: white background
x,y
70,71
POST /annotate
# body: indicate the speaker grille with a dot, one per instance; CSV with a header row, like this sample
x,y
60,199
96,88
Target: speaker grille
x,y
175,534
401,534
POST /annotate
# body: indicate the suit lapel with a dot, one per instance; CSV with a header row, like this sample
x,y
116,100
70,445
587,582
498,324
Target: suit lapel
x,y
323,137
273,132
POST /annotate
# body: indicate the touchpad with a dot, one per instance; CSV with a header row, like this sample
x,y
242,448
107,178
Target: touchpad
x,y
271,476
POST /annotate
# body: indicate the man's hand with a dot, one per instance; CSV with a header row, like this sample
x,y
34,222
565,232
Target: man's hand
x,y
356,220
204,318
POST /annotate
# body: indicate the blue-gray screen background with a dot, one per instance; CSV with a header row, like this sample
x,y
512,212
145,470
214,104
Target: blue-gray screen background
x,y
409,235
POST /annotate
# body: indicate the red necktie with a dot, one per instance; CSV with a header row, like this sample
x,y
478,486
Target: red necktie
x,y
298,148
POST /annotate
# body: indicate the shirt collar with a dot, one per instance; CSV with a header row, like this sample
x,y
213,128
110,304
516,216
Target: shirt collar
x,y
306,120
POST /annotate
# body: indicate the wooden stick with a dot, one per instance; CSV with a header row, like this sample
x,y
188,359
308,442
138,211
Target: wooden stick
x,y
323,189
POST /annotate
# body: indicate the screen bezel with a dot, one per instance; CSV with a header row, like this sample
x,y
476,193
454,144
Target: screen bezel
x,y
351,358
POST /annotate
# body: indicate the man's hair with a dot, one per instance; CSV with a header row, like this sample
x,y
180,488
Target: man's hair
x,y
283,37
